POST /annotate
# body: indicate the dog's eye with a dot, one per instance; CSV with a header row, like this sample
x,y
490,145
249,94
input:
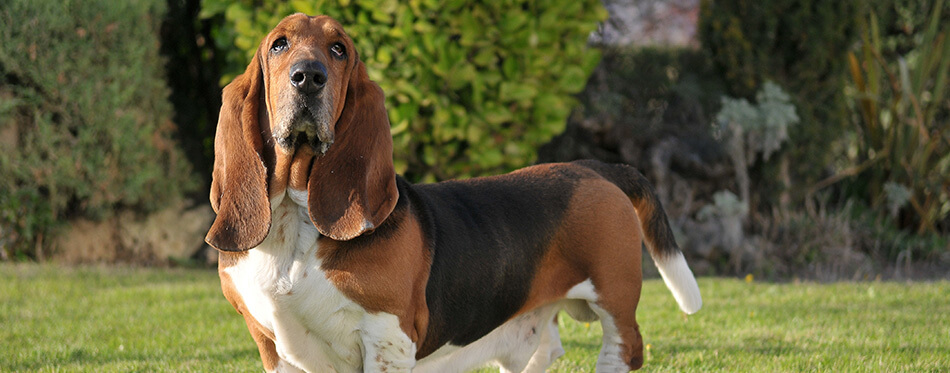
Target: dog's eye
x,y
338,50
279,45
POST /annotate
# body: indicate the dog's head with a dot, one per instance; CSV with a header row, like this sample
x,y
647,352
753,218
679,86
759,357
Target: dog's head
x,y
304,115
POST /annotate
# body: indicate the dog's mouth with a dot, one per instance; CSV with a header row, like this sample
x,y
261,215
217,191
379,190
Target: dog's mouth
x,y
307,126
307,136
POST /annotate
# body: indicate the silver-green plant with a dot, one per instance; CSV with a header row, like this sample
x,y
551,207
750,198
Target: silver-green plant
x,y
756,130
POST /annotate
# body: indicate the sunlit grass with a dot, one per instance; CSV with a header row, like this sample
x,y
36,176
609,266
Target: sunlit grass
x,y
121,319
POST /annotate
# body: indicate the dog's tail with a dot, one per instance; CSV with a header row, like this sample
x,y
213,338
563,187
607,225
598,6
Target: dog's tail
x,y
656,231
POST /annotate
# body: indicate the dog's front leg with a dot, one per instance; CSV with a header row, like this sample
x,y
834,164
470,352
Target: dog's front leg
x,y
386,348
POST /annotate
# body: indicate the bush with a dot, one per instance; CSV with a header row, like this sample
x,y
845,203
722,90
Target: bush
x,y
636,99
84,123
801,46
472,87
901,155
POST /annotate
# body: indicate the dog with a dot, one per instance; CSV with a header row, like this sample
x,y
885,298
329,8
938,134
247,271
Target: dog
x,y
337,264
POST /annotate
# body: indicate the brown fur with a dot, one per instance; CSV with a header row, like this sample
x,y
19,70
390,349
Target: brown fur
x,y
238,186
384,275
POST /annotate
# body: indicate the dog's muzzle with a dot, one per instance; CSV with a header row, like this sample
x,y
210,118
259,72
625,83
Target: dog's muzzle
x,y
309,114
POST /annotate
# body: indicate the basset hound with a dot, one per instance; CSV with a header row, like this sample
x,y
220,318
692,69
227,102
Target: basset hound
x,y
337,264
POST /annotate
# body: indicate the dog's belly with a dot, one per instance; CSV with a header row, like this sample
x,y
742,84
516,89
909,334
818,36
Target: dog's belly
x,y
315,326
527,340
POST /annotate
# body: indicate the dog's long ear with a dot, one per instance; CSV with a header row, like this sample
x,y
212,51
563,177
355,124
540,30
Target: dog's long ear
x,y
239,180
352,188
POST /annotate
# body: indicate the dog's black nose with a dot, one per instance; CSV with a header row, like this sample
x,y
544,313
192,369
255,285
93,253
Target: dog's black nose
x,y
308,76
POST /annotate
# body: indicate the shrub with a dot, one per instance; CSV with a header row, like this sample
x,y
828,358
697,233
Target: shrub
x,y
801,46
901,156
472,87
84,122
636,99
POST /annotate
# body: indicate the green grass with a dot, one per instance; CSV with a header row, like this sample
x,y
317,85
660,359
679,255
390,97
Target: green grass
x,y
121,319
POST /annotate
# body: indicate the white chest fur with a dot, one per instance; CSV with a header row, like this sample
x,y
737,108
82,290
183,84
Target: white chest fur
x,y
315,326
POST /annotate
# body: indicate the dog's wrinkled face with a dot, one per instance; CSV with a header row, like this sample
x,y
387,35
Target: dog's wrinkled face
x,y
306,62
304,90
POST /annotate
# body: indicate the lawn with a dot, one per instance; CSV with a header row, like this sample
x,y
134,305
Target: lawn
x,y
122,319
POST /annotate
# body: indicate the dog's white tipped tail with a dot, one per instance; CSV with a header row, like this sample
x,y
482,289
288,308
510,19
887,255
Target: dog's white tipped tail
x,y
680,280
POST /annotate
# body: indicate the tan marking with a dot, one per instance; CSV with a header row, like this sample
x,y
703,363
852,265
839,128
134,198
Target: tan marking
x,y
280,174
229,259
387,275
300,168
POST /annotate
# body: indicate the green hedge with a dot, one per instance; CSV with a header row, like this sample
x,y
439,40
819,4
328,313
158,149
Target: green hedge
x,y
85,124
472,87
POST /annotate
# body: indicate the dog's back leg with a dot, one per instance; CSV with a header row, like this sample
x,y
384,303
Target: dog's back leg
x,y
618,291
615,304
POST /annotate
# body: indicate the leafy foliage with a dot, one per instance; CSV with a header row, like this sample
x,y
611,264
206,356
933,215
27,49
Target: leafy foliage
x,y
472,87
901,108
798,44
84,122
